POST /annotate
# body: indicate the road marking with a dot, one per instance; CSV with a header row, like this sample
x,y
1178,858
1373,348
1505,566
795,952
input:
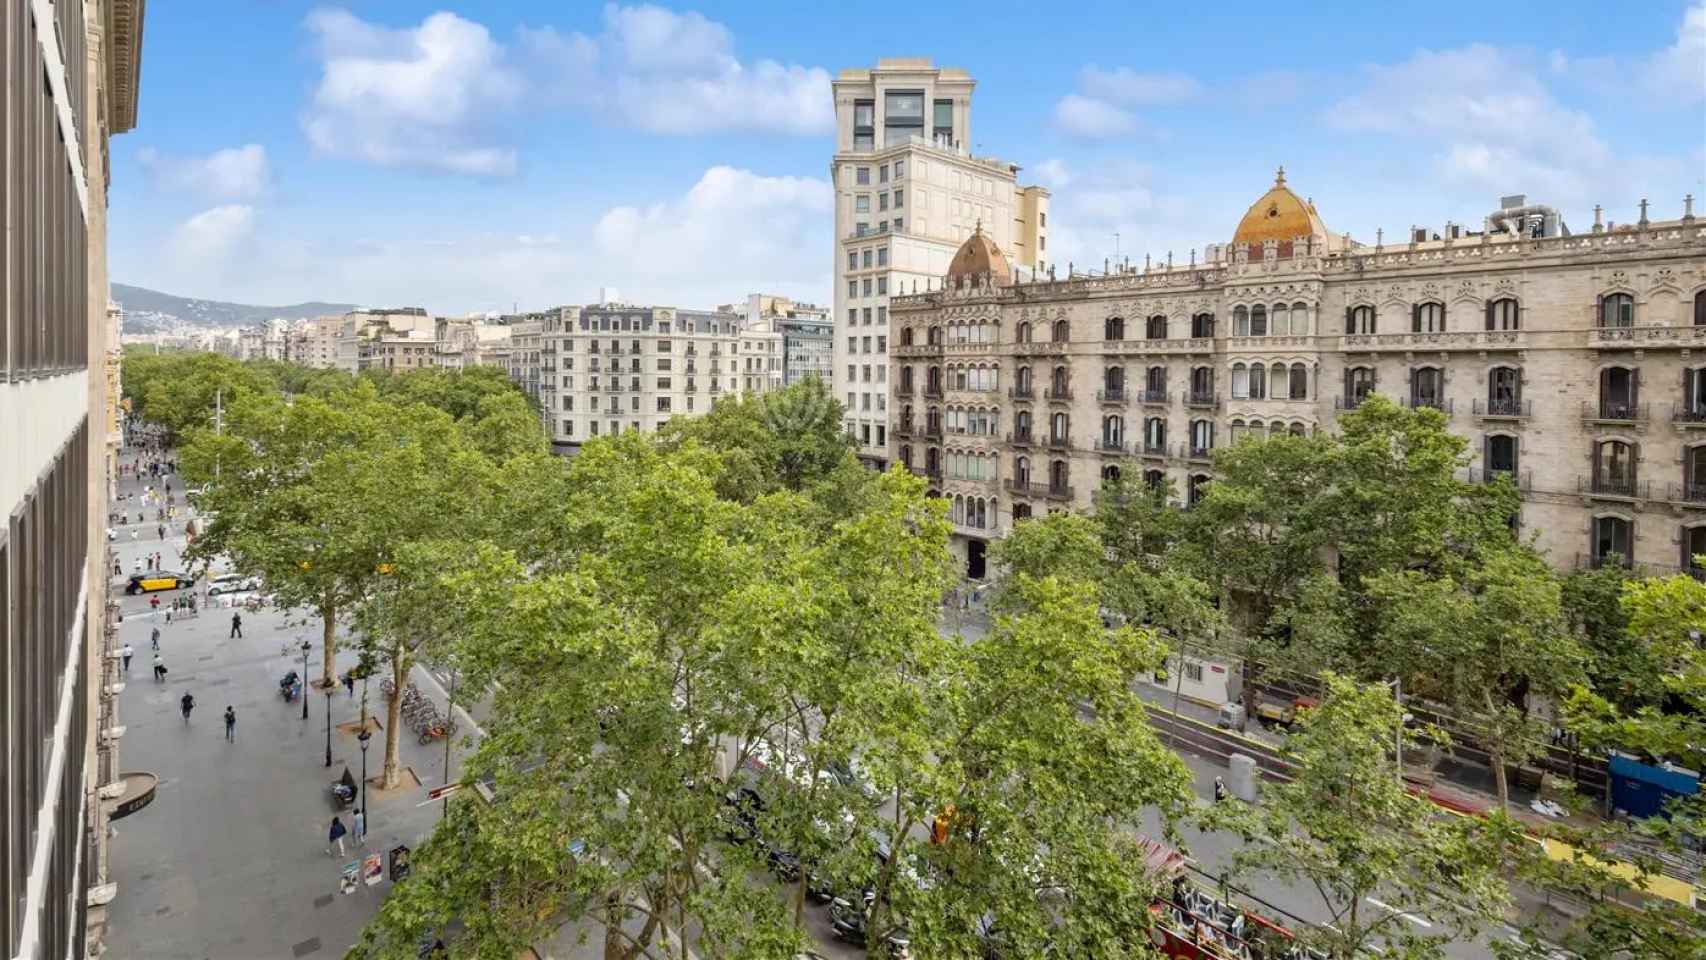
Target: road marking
x,y
1418,921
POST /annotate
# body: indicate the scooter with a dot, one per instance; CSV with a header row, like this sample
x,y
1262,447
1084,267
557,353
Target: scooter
x,y
290,687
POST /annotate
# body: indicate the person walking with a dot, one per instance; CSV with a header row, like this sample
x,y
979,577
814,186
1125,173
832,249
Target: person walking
x,y
138,559
230,724
360,828
336,837
186,703
162,527
127,652
1219,790
118,569
236,627
159,668
349,681
154,638
154,602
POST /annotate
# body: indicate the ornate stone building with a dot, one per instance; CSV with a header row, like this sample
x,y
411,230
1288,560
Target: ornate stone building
x,y
1575,363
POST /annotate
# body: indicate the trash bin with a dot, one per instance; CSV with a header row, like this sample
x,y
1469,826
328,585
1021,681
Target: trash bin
x,y
1231,716
1241,777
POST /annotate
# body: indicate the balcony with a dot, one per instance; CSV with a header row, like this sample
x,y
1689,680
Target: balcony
x,y
934,475
1021,438
1348,403
1586,561
933,432
1432,342
1117,395
1522,479
1441,404
1145,347
1194,452
1612,488
1153,449
1046,347
690,368
692,387
1021,393
1058,394
1154,398
1688,416
1117,447
904,390
716,351
1646,336
716,387
1504,409
903,430
1060,492
1613,411
1691,494
592,347
1059,443
1024,488
933,391
692,351
1202,401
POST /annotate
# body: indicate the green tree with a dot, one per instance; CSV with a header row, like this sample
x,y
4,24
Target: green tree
x,y
1482,645
1137,522
181,391
788,439
1346,826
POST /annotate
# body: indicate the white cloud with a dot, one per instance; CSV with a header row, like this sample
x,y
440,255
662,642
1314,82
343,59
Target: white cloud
x,y
1127,86
1678,72
414,97
209,240
1090,119
1053,173
675,73
235,173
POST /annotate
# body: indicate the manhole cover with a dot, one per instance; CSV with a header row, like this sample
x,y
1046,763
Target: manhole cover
x,y
204,659
323,901
303,949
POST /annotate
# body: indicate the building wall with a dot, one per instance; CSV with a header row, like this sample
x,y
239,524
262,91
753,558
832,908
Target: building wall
x,y
1559,351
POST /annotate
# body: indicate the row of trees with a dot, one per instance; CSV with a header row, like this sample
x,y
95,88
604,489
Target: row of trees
x,y
1364,557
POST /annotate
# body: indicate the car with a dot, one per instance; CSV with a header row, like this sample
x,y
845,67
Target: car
x,y
847,922
153,581
232,583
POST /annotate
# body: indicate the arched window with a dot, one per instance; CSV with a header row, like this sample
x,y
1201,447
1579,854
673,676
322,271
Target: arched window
x,y
1298,430
1236,431
933,381
1156,328
1155,435
1022,470
1278,385
1499,456
1021,511
1113,328
1693,545
1359,320
1258,381
1111,472
1427,318
1619,390
1427,387
1281,326
1202,385
934,337
933,461
1057,384
906,416
1617,310
1258,321
1202,325
959,378
933,421
1059,428
1022,426
1504,392
1022,333
906,379
1022,382
1153,479
1614,468
1113,383
1060,331
1155,385
906,455
1240,382
1504,314
1359,383
1058,476
906,336
1202,437
1693,408
1240,322
1113,432
1613,537
1299,380
1196,487
1300,319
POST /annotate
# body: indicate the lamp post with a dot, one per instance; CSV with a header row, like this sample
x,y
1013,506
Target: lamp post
x,y
364,736
328,724
449,705
306,646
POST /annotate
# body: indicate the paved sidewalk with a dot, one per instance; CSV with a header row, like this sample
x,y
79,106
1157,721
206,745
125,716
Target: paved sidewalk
x,y
229,861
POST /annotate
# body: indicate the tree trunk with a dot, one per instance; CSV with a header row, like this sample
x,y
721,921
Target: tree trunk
x,y
614,948
1496,752
328,644
393,733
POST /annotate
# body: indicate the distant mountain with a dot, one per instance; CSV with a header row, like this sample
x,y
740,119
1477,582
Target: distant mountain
x,y
148,311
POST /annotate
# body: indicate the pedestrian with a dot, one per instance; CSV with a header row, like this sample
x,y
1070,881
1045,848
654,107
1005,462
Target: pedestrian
x,y
360,828
118,569
187,703
127,652
349,682
336,837
154,638
162,527
236,626
159,669
138,564
154,602
1219,790
230,724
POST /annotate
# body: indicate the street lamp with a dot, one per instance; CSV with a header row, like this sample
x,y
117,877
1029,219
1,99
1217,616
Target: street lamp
x,y
306,646
364,736
328,724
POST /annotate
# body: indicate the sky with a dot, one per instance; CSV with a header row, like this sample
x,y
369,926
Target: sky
x,y
525,153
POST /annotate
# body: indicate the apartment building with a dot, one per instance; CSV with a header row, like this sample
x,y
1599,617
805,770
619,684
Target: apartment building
x,y
314,343
785,341
1571,361
71,74
615,367
908,192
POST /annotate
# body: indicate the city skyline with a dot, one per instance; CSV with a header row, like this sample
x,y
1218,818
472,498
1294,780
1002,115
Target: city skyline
x,y
572,150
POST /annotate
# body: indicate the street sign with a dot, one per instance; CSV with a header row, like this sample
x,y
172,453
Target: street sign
x,y
439,793
371,870
399,862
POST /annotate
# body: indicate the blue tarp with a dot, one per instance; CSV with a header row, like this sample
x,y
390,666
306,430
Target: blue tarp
x,y
1643,790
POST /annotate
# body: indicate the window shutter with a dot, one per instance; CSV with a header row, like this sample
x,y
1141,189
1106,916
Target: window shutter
x,y
1599,311
1486,457
1345,383
1518,306
1490,315
1348,327
1688,390
1593,454
1635,391
1415,318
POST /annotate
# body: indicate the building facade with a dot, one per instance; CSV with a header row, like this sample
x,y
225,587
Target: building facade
x,y
908,192
1572,362
785,341
71,72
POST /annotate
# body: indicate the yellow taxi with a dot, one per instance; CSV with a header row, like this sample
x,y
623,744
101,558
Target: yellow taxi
x,y
154,580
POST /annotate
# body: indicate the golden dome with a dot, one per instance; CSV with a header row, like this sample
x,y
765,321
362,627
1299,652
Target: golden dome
x,y
1279,215
978,255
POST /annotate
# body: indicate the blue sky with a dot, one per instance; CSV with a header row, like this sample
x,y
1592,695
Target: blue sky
x,y
476,156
